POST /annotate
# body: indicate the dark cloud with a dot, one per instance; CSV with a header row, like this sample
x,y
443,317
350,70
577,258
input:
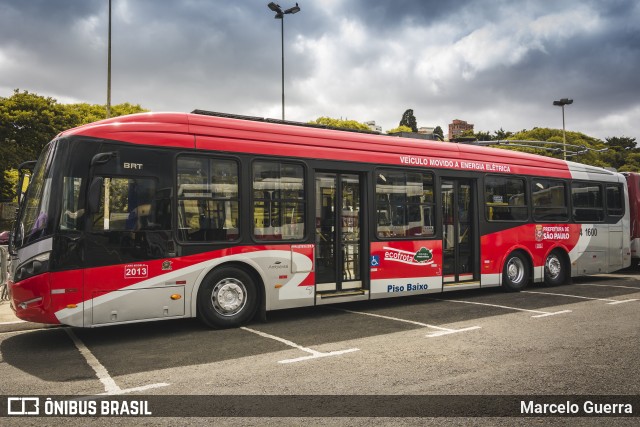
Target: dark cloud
x,y
493,63
389,15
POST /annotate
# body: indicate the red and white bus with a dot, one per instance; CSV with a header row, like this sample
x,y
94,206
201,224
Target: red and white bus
x,y
166,215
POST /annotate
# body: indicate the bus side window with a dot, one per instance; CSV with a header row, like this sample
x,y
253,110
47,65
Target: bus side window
x,y
208,199
505,198
72,213
615,200
405,204
587,202
124,204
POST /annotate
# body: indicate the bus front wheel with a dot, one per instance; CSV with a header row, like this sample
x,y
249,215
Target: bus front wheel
x,y
515,274
227,298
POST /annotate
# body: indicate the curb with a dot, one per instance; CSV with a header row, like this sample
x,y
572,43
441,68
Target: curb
x,y
6,314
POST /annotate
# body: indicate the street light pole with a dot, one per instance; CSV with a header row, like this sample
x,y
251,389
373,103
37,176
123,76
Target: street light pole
x,y
282,50
280,15
109,67
562,103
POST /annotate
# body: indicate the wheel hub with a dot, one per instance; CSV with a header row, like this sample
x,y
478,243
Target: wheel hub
x,y
515,270
229,296
553,267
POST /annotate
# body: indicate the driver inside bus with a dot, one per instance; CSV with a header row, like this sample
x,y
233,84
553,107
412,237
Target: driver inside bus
x,y
138,218
140,204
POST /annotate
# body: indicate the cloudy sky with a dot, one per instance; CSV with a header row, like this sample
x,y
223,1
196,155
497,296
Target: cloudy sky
x,y
496,64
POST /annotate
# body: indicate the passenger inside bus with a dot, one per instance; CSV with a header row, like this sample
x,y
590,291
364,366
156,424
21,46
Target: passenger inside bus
x,y
138,218
139,202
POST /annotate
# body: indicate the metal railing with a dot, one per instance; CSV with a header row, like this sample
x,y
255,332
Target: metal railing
x,y
570,150
4,273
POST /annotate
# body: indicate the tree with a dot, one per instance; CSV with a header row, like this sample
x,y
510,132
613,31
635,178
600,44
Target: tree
x,y
409,120
437,132
620,143
483,136
399,129
554,149
11,177
621,153
339,123
631,164
501,134
28,121
84,113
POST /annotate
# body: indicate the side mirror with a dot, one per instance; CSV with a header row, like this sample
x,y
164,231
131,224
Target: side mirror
x,y
94,194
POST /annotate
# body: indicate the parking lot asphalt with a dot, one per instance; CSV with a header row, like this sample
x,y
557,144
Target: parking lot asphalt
x,y
575,340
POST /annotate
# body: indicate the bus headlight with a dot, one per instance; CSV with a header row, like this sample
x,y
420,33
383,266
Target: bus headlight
x,y
36,265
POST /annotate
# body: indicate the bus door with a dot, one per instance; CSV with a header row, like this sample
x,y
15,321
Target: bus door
x,y
338,233
459,236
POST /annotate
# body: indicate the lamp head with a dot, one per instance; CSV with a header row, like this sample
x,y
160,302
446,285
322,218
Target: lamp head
x,y
563,101
294,9
274,7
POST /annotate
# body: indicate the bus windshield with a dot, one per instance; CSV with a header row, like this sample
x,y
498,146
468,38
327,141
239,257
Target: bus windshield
x,y
33,220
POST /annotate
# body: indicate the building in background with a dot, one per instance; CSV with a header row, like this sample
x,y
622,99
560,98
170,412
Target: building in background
x,y
373,126
426,130
423,133
457,128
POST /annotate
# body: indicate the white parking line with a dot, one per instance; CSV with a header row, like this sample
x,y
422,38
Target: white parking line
x,y
607,286
451,331
314,353
134,389
611,301
441,331
540,313
110,386
552,313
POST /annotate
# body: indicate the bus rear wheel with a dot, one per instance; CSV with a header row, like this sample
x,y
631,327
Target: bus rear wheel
x,y
555,272
515,274
227,298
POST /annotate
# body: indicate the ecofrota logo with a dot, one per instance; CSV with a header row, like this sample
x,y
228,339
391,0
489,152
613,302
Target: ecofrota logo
x,y
422,257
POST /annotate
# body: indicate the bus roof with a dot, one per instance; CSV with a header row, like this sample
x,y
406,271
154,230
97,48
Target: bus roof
x,y
207,132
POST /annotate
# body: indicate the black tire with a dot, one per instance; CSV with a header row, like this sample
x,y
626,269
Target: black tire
x,y
227,298
515,274
555,269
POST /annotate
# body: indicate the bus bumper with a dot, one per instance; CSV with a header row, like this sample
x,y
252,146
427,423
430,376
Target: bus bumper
x,y
31,299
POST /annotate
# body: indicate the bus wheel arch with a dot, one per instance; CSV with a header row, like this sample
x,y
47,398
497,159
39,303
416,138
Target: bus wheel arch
x,y
556,267
229,295
516,271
